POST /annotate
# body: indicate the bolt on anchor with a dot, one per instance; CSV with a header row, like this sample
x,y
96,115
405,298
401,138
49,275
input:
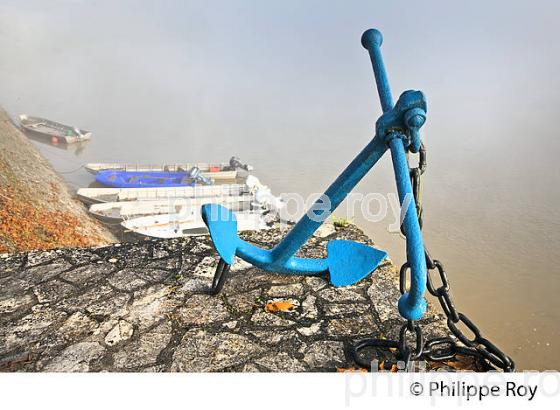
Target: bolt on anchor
x,y
347,262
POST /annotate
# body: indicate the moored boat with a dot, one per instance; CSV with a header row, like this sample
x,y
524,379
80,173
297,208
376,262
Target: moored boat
x,y
97,195
151,179
115,212
54,131
252,186
221,171
178,225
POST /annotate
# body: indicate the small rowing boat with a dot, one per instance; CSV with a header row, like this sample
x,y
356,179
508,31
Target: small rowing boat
x,y
54,131
137,179
215,171
179,225
115,212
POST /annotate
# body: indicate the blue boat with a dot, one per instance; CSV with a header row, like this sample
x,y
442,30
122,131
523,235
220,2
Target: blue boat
x,y
154,179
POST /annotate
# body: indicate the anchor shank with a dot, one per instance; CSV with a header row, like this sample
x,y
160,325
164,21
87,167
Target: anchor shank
x,y
412,304
335,194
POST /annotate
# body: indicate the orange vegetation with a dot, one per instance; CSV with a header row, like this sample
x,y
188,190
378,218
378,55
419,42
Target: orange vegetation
x,y
26,226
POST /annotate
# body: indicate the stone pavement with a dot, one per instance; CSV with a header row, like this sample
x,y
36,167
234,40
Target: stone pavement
x,y
143,307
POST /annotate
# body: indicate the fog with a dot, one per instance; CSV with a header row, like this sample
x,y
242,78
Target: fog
x,y
287,87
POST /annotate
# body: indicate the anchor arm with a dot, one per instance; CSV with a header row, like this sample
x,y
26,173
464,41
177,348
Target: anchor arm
x,y
335,194
399,127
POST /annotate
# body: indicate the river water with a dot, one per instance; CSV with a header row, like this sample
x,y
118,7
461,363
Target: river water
x,y
289,89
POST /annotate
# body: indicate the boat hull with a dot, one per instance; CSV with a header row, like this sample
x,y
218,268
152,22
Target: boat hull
x,y
168,226
216,172
136,179
53,131
115,212
98,195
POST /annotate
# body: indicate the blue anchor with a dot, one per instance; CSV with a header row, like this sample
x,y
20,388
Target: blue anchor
x,y
347,262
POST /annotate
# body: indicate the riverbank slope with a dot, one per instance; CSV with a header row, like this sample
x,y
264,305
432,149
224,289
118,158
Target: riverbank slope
x,y
37,210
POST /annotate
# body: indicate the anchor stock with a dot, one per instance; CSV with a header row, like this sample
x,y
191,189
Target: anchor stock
x,y
347,262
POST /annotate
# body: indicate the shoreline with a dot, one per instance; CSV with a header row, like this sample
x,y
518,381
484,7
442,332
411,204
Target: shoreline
x,y
37,208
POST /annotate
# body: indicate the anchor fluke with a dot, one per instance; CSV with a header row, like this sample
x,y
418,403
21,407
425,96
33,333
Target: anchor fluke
x,y
222,224
349,262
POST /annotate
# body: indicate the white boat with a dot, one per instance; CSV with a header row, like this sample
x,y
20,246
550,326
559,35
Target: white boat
x,y
252,186
54,131
115,212
98,195
176,225
223,171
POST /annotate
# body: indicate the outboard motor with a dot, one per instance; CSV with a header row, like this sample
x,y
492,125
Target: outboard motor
x,y
196,175
235,163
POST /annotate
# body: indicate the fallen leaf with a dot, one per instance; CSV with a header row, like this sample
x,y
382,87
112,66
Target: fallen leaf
x,y
279,306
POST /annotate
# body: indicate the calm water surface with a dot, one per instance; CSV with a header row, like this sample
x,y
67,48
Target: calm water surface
x,y
288,88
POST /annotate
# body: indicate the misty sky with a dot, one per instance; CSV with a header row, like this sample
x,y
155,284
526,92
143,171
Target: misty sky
x,y
287,86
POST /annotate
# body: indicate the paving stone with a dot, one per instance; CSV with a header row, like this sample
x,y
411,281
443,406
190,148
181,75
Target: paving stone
x,y
84,274
202,310
121,332
344,309
354,326
324,354
10,305
76,358
37,257
384,298
160,253
53,290
126,280
153,275
347,294
270,319
239,265
275,337
309,309
204,352
27,330
206,267
294,289
193,285
76,327
145,350
250,368
42,273
315,283
245,302
151,305
311,330
115,306
281,362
